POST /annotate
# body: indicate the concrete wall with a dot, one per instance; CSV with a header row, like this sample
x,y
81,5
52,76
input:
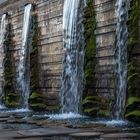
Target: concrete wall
x,y
50,14
105,39
50,42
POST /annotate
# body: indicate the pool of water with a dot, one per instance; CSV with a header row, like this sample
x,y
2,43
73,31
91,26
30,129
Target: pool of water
x,y
70,119
77,119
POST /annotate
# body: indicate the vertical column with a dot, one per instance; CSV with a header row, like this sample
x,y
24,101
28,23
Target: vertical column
x,y
105,42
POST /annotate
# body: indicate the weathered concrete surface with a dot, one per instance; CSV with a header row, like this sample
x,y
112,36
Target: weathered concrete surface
x,y
49,14
105,41
86,134
120,135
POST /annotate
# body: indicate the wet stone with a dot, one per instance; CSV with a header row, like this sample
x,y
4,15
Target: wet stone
x,y
6,138
19,116
15,120
107,130
86,134
4,115
4,119
117,139
32,139
45,132
9,134
31,122
120,135
86,126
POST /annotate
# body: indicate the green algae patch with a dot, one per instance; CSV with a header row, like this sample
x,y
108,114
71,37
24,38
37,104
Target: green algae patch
x,y
132,111
132,100
37,101
38,106
133,24
11,100
34,61
133,116
93,104
135,113
90,100
104,113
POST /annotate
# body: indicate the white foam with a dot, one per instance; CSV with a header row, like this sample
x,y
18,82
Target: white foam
x,y
114,122
64,116
20,110
2,107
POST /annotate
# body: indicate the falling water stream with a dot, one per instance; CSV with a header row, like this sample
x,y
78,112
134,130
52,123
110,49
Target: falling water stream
x,y
72,80
2,35
122,37
22,79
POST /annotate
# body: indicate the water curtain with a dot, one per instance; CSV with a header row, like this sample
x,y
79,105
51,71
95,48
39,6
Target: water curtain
x,y
122,8
2,37
23,82
72,80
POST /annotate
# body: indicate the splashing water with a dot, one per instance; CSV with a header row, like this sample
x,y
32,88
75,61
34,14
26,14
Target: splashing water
x,y
72,80
19,110
122,37
114,122
2,35
85,2
22,80
64,116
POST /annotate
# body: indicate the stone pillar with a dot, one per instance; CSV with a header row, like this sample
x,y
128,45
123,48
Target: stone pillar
x,y
105,43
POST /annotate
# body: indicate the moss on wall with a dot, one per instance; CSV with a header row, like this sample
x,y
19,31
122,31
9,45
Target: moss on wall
x,y
37,101
93,104
90,50
133,26
34,79
11,98
133,80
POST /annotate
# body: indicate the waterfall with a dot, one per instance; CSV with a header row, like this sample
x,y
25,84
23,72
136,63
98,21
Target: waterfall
x,y
2,35
85,2
23,82
73,63
122,37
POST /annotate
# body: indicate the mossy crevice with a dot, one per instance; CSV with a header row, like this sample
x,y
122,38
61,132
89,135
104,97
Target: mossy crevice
x,y
97,106
133,26
133,80
133,116
34,64
11,97
93,104
90,50
37,101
